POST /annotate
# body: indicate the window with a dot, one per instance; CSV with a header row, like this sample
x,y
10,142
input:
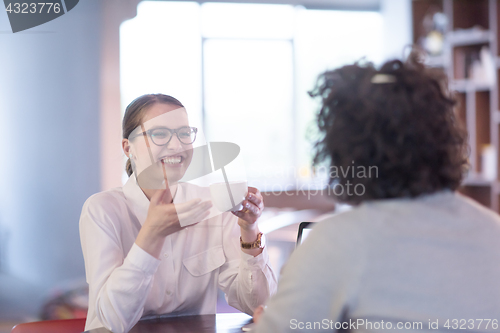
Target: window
x,y
243,72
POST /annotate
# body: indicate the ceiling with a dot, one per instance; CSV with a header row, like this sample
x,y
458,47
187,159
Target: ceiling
x,y
372,5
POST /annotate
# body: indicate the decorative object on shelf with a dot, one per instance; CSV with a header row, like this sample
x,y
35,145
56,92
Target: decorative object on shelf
x,y
469,36
434,24
482,70
489,162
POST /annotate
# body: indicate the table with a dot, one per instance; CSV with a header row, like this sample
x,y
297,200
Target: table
x,y
219,323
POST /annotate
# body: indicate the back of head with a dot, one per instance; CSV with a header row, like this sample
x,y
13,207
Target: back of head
x,y
393,130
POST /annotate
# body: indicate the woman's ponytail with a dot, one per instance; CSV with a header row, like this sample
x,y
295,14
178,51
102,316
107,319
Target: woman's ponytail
x,y
128,168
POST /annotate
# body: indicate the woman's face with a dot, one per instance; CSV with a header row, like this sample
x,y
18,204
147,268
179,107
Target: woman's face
x,y
154,160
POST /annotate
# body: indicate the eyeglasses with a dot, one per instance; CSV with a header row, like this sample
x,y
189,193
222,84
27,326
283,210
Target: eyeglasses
x,y
162,136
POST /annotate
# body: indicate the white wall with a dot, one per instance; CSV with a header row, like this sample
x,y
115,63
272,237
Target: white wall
x,y
49,137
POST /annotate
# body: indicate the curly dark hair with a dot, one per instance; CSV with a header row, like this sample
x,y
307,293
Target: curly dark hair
x,y
397,124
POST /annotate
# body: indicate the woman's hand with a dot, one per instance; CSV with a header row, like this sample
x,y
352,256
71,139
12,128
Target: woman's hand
x,y
258,312
253,205
163,219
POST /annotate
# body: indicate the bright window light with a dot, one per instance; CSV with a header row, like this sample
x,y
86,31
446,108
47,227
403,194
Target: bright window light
x,y
326,39
249,94
238,20
244,71
160,52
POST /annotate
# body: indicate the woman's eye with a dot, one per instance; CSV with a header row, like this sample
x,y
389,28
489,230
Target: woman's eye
x,y
159,134
185,134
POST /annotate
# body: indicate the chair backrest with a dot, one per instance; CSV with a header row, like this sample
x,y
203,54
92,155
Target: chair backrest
x,y
304,229
51,326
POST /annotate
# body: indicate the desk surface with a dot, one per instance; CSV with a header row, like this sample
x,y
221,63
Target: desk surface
x,y
220,323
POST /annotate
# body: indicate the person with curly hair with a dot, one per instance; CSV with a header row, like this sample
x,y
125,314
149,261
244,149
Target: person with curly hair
x,y
413,253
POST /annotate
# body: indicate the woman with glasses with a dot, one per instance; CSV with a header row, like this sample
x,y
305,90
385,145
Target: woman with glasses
x,y
145,256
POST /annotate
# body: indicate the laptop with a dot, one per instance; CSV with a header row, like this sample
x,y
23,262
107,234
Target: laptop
x,y
304,230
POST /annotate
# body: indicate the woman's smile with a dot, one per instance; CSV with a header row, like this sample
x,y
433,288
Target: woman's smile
x,y
173,160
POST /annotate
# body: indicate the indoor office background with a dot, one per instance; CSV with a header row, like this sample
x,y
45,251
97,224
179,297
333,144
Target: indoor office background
x,y
241,70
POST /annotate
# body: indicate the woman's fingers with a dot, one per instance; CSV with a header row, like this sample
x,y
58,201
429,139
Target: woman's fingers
x,y
254,199
252,206
189,219
202,207
158,197
161,196
202,210
258,313
247,214
187,206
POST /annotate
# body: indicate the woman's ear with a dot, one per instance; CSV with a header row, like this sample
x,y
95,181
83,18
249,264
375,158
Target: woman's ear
x,y
126,147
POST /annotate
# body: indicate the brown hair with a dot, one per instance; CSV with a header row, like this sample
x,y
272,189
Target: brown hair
x,y
134,113
404,126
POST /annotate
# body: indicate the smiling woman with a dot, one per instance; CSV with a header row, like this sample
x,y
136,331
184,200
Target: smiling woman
x,y
135,113
158,157
153,247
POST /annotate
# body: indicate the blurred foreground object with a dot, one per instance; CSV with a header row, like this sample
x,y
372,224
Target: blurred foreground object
x,y
67,304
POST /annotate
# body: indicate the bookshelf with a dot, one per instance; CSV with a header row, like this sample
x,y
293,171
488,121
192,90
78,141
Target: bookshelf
x,y
466,47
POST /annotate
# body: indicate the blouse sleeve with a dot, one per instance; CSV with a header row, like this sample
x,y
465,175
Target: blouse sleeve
x,y
117,284
246,280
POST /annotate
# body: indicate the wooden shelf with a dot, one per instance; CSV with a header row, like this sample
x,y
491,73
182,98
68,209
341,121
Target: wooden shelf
x,y
477,180
470,37
465,85
496,117
473,24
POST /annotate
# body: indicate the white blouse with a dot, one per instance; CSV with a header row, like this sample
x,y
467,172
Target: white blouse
x,y
126,283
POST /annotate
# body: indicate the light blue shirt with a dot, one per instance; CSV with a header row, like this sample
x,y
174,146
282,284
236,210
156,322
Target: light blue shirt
x,y
427,260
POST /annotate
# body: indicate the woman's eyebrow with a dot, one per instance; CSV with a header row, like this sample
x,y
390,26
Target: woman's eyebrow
x,y
157,127
164,127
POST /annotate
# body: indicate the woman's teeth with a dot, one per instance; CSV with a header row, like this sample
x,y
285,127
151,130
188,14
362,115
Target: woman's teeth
x,y
172,160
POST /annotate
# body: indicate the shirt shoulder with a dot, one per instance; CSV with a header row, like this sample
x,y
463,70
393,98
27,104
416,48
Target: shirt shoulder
x,y
104,206
111,197
474,208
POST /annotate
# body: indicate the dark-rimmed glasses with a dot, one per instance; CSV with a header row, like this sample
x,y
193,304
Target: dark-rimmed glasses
x,y
161,136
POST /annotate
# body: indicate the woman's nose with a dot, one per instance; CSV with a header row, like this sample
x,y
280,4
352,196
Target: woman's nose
x,y
174,143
